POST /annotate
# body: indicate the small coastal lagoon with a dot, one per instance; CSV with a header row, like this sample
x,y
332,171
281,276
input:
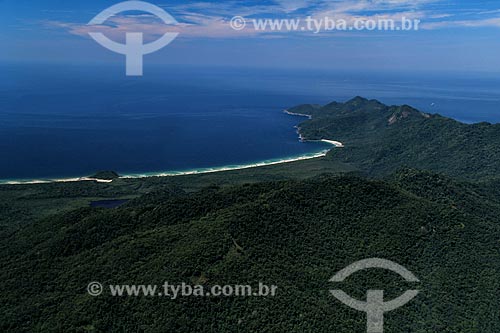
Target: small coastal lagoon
x,y
113,203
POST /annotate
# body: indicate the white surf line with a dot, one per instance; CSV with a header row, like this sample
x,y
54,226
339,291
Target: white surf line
x,y
297,114
230,168
337,144
178,173
323,153
188,172
50,181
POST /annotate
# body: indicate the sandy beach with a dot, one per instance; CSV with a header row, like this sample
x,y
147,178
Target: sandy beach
x,y
335,143
231,168
48,181
323,153
297,114
188,172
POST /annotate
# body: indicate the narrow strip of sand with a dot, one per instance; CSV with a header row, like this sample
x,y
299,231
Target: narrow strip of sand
x,y
335,143
230,168
48,181
188,172
323,153
297,114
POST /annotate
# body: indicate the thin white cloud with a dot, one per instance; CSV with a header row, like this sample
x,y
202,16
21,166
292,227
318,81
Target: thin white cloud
x,y
211,20
200,26
490,22
293,5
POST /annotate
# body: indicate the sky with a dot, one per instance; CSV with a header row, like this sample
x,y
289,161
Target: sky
x,y
460,35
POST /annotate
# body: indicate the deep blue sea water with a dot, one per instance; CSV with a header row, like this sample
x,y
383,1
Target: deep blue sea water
x,y
58,122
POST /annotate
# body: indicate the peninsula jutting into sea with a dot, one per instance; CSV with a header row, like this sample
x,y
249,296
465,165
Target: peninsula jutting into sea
x,y
290,224
250,166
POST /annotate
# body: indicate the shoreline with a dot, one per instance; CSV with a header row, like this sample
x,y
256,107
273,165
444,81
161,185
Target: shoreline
x,y
337,144
202,171
297,114
199,171
51,181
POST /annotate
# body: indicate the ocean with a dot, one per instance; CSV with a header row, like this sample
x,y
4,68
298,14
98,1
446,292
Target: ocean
x,y
70,121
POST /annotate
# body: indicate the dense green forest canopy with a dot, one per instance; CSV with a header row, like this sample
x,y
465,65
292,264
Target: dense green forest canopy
x,y
295,234
419,189
380,139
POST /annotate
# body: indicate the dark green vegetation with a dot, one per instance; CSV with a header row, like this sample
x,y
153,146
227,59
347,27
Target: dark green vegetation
x,y
292,225
23,204
295,234
380,139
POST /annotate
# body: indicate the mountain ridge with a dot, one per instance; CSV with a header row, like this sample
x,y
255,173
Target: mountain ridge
x,y
380,139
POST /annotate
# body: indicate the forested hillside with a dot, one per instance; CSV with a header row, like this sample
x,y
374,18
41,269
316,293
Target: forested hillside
x,y
380,139
293,234
421,190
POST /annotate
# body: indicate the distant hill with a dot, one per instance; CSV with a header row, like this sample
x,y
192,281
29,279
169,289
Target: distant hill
x,y
380,139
